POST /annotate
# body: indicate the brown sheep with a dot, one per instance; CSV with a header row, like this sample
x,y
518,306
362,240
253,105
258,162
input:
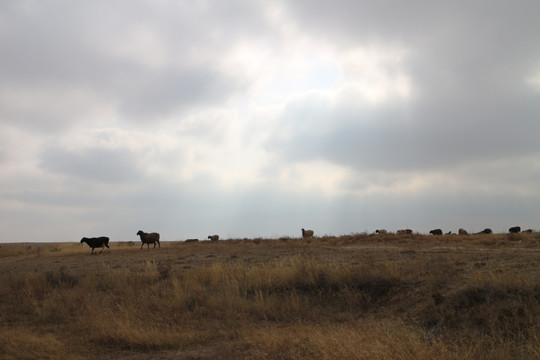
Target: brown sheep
x,y
149,238
307,233
404,232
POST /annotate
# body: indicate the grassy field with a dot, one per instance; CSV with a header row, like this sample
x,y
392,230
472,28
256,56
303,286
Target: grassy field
x,y
348,297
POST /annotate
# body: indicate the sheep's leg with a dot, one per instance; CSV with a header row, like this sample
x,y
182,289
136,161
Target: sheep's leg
x,y
141,246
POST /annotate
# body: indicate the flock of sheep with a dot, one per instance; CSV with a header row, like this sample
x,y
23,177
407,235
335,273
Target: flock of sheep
x,y
513,230
153,238
146,238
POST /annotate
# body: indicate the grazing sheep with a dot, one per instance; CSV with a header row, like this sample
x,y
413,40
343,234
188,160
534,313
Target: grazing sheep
x,y
213,237
485,231
191,240
436,232
96,242
149,238
527,231
380,231
307,233
463,232
404,232
514,229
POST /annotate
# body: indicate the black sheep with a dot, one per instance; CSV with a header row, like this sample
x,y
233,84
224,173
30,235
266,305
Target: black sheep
x,y
96,242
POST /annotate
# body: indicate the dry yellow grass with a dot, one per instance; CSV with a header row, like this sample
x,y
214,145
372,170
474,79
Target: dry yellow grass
x,y
349,297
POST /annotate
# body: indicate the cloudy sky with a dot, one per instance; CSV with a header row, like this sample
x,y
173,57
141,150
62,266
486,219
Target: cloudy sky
x,y
255,118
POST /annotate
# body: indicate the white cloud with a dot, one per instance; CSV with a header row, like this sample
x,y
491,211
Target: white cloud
x,y
376,74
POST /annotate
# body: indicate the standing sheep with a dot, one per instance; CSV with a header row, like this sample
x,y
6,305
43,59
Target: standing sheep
x,y
436,232
380,231
514,229
213,237
96,242
149,238
307,233
463,232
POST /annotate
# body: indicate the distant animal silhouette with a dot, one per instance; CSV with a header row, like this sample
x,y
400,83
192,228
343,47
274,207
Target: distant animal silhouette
x,y
485,231
404,232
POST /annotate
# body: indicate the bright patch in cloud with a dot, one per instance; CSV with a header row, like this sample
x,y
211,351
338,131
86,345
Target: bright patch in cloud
x,y
534,81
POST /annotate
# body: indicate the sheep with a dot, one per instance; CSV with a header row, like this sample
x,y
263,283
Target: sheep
x,y
191,240
404,232
213,237
485,231
463,232
436,232
148,238
96,242
307,233
514,229
380,231
527,231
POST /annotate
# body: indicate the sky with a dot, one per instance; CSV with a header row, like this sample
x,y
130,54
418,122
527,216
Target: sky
x,y
258,118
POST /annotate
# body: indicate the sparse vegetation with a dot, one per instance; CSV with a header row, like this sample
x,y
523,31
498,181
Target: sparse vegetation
x,y
349,297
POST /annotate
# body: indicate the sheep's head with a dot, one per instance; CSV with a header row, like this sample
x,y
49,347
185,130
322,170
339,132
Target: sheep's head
x,y
83,240
140,232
